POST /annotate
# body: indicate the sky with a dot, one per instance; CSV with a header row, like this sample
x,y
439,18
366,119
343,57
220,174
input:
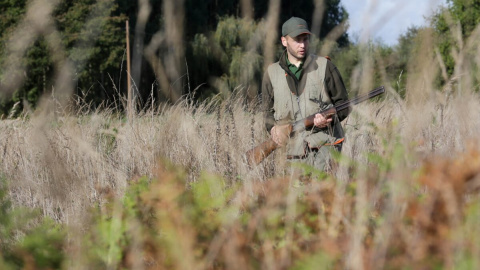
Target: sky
x,y
386,20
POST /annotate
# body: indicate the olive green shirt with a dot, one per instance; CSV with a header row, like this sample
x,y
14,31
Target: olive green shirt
x,y
297,71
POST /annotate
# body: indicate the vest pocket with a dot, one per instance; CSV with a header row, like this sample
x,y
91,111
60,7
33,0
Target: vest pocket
x,y
282,107
319,139
297,146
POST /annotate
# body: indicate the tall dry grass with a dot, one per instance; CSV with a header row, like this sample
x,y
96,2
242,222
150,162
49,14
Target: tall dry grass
x,y
405,191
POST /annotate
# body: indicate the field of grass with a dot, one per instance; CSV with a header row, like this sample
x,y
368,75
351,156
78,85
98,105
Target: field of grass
x,y
170,188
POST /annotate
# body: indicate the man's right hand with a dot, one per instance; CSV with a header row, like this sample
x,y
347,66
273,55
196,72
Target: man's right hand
x,y
281,134
321,120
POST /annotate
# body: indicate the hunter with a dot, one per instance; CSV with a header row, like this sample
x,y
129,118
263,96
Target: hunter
x,y
298,85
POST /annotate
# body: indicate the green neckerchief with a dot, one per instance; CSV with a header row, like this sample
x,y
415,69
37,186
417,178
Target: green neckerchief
x,y
297,71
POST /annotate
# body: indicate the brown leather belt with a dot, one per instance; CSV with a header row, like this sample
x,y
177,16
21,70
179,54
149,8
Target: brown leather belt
x,y
296,157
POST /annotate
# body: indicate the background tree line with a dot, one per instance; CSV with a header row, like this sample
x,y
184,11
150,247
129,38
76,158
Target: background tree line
x,y
199,48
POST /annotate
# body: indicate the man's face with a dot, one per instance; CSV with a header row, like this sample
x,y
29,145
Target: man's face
x,y
297,47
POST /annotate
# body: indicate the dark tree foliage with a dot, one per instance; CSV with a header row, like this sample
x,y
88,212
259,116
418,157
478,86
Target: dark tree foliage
x,y
94,43
93,34
11,13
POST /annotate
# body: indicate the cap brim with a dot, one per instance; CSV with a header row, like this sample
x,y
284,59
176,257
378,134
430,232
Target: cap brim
x,y
299,32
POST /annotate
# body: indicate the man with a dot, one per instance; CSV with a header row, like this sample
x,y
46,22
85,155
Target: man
x,y
298,85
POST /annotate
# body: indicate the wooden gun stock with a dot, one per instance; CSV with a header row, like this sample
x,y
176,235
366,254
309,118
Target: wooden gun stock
x,y
260,152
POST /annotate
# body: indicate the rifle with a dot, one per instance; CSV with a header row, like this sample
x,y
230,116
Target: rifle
x,y
263,150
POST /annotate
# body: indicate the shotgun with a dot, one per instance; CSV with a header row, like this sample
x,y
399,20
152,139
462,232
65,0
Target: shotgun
x,y
260,152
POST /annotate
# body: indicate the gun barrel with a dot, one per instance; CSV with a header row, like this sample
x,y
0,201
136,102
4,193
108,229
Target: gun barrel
x,y
376,92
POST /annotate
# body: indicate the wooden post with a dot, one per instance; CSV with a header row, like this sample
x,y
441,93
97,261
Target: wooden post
x,y
129,78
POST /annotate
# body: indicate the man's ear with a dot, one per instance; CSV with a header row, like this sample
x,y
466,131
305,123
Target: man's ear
x,y
284,41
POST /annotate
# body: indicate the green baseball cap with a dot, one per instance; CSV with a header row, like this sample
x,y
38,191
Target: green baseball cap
x,y
294,27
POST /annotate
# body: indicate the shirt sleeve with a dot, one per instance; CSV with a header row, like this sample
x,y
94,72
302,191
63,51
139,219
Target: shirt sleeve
x,y
336,88
267,102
